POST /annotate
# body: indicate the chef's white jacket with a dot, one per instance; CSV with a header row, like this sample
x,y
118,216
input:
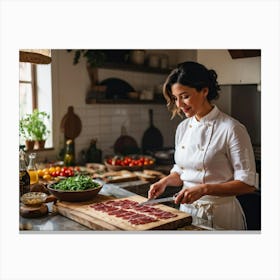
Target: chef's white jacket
x,y
215,149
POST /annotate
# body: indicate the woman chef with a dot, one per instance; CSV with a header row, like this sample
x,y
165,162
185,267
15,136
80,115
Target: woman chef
x,y
214,159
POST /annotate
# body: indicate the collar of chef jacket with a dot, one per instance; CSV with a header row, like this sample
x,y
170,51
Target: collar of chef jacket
x,y
209,118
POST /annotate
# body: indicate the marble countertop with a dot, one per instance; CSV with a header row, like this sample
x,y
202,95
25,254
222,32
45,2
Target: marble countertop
x,y
55,222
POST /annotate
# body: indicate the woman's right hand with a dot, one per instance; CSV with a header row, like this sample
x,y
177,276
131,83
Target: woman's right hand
x,y
157,189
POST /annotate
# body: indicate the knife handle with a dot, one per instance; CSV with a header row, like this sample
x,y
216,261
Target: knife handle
x,y
175,195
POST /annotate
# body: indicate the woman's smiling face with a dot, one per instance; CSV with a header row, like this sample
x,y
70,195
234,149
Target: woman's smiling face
x,y
190,101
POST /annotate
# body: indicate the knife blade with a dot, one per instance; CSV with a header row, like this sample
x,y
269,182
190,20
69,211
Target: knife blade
x,y
159,200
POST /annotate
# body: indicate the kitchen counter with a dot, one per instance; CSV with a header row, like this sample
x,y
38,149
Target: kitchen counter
x,y
55,222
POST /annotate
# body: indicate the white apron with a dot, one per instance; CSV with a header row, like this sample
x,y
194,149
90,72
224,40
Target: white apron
x,y
220,212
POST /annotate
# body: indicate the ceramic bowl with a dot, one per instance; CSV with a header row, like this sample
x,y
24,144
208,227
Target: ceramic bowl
x,y
75,196
33,199
111,167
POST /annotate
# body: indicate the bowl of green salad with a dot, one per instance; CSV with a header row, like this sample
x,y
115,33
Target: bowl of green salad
x,y
75,189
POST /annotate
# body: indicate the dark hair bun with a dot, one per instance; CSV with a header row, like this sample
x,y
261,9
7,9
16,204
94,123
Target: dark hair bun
x,y
213,85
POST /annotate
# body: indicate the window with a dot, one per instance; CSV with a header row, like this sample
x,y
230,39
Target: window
x,y
35,92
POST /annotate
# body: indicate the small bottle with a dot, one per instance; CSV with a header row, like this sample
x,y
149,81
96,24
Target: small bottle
x,y
69,157
93,154
32,170
24,178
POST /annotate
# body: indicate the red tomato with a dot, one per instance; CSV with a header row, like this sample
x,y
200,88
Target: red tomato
x,y
63,169
65,172
57,173
53,174
129,159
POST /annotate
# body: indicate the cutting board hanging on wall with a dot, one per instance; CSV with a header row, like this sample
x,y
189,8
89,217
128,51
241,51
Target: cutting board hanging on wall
x,y
152,138
71,124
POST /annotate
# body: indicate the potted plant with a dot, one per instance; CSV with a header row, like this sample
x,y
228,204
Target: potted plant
x,y
26,133
33,128
94,59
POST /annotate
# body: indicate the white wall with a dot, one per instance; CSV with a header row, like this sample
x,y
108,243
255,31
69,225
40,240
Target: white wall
x,y
231,71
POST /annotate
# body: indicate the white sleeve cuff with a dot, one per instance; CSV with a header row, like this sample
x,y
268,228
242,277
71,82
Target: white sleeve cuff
x,y
250,178
176,169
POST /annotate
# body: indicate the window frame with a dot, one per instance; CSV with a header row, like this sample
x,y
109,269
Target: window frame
x,y
33,83
34,95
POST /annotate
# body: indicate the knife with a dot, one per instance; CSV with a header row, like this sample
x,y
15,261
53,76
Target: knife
x,y
159,200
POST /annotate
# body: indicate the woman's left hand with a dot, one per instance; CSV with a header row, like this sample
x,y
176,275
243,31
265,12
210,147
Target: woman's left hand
x,y
190,195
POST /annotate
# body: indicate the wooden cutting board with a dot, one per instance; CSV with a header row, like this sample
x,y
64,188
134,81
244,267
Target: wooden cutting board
x,y
117,176
71,124
128,176
84,214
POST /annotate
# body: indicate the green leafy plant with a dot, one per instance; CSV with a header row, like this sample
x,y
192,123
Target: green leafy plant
x,y
76,183
94,58
33,126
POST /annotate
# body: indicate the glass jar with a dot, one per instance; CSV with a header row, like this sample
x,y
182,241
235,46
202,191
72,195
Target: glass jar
x,y
137,57
154,61
32,170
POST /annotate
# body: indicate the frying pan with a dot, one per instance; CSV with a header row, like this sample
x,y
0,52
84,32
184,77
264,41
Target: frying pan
x,y
152,138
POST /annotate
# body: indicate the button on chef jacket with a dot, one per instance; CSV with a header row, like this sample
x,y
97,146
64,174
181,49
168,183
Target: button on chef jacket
x,y
215,149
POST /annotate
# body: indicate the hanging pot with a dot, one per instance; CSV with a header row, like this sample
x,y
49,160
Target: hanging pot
x,y
125,144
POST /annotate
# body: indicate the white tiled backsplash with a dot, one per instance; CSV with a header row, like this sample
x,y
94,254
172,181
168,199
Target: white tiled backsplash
x,y
104,123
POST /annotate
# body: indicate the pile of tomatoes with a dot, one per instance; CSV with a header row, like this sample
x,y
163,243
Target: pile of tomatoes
x,y
130,161
55,171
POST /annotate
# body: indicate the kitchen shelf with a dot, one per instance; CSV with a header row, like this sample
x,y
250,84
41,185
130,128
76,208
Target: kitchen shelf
x,y
134,68
124,101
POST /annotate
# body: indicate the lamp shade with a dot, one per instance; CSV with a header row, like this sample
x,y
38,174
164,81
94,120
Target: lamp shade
x,y
37,56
